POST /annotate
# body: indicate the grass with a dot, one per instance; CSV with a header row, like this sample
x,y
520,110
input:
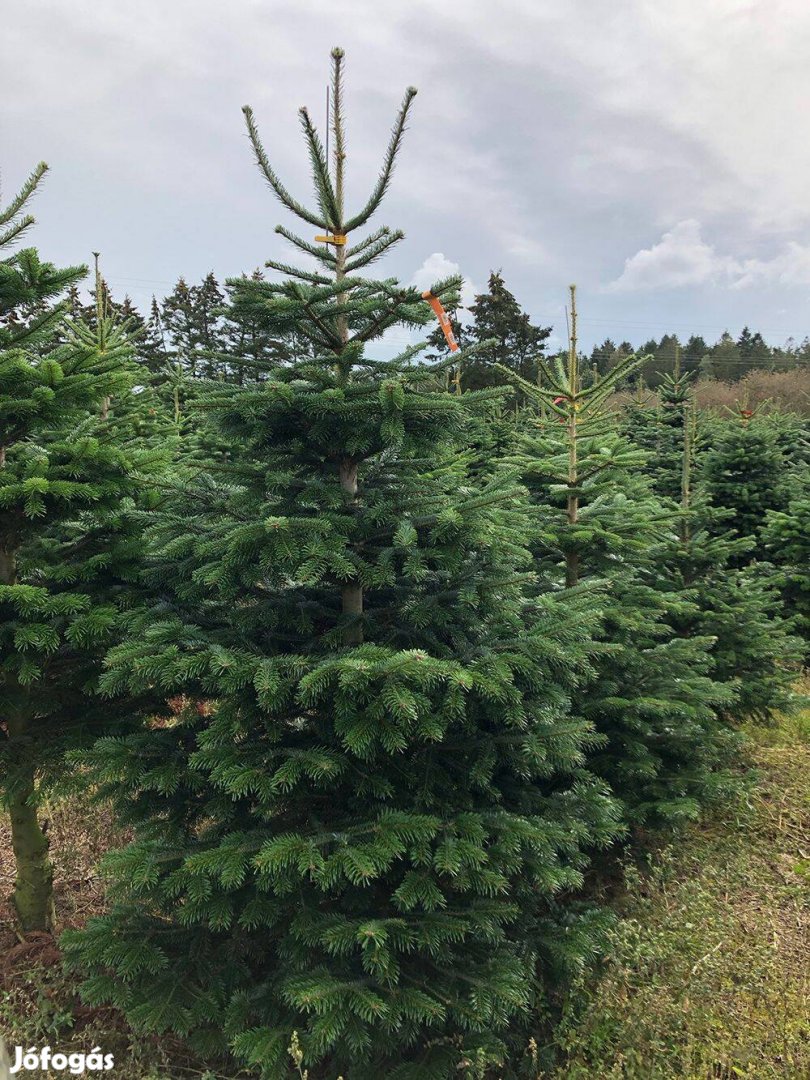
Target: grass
x,y
706,976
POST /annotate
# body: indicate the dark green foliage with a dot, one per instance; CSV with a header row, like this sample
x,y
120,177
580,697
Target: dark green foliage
x,y
144,334
504,334
599,525
507,335
724,599
66,550
373,782
660,432
391,649
190,321
604,357
786,537
738,606
744,473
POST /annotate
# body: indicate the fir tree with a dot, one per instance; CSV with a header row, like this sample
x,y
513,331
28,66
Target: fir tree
x,y
753,349
354,828
599,525
191,320
744,473
606,356
693,352
723,359
62,549
252,347
660,432
737,605
149,349
786,540
507,336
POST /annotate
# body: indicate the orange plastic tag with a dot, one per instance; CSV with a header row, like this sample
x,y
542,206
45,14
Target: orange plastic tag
x,y
443,317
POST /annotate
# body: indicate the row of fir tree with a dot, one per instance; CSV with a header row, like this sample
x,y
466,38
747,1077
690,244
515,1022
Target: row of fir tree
x,y
376,665
193,332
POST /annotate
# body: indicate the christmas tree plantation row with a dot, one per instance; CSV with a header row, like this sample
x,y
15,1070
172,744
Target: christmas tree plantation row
x,y
370,669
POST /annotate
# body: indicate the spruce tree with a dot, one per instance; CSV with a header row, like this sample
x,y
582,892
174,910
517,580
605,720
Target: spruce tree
x,y
62,548
191,320
251,349
693,352
354,825
507,335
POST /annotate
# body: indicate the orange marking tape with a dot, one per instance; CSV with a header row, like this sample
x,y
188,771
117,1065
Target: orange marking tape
x,y
443,317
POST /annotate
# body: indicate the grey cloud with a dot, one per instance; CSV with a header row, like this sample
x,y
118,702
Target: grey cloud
x,y
552,140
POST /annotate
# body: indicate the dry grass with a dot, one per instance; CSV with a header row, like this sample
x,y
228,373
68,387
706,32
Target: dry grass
x,y
768,391
38,1002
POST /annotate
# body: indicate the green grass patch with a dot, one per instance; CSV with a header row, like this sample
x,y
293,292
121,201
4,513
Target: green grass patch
x,y
706,976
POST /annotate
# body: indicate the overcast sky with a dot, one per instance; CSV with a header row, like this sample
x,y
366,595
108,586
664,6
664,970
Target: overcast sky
x,y
654,151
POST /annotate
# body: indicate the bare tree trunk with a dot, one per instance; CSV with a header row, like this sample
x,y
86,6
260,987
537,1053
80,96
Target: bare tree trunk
x,y
33,887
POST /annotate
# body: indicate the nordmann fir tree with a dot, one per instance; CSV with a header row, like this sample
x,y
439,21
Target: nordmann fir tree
x,y
660,432
62,481
737,605
598,526
786,536
377,782
746,474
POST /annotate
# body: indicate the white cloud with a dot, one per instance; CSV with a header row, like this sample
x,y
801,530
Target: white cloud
x,y
436,267
789,267
539,140
683,258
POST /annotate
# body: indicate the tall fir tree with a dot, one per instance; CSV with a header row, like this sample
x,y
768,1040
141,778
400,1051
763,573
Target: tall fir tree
x,y
754,351
144,333
191,320
63,549
659,430
354,828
